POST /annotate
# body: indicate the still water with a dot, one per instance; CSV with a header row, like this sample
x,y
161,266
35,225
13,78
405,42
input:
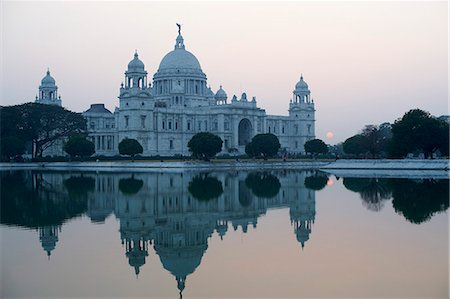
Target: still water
x,y
296,234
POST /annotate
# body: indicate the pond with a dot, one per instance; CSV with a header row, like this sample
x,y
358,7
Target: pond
x,y
287,233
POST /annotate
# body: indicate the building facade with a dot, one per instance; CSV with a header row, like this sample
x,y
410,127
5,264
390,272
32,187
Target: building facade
x,y
165,114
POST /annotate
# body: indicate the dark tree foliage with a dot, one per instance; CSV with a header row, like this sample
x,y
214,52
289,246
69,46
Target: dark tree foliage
x,y
316,182
418,201
130,147
372,191
265,145
316,146
130,186
205,145
204,187
355,145
78,145
40,124
372,140
79,186
27,201
249,150
263,184
417,130
11,146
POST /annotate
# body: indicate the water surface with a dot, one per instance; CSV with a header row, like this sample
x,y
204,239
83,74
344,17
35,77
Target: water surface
x,y
222,234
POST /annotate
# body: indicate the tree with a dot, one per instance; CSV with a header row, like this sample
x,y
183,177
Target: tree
x,y
78,145
354,145
316,146
417,130
41,124
130,147
12,146
249,150
265,145
205,145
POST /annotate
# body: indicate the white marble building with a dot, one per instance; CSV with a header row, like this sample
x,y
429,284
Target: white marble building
x,y
164,115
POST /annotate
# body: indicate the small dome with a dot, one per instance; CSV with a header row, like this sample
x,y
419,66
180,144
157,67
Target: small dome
x,y
301,84
221,94
48,80
136,64
244,97
209,92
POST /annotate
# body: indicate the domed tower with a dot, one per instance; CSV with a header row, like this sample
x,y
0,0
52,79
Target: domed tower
x,y
133,117
136,75
302,114
302,211
180,79
48,91
221,96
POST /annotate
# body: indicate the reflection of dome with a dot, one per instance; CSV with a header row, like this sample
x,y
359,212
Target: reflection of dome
x,y
48,80
136,64
301,84
181,262
136,258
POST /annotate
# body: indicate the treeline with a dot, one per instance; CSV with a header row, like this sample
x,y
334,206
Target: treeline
x,y
36,127
416,132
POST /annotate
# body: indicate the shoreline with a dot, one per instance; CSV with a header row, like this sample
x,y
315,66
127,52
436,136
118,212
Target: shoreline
x,y
152,166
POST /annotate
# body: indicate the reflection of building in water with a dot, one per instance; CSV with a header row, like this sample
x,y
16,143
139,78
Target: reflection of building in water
x,y
164,214
48,235
157,209
101,203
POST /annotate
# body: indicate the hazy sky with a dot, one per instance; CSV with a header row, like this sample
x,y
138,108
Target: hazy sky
x,y
365,62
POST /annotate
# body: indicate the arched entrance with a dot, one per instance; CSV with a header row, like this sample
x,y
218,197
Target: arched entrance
x,y
245,132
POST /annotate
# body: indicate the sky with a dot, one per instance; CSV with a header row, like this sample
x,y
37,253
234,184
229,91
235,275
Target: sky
x,y
365,62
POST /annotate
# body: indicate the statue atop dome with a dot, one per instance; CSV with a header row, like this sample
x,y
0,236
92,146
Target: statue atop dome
x,y
179,28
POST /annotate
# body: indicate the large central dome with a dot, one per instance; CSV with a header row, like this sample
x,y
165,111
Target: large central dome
x,y
179,59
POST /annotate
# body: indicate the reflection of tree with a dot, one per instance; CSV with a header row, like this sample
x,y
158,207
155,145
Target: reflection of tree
x,y
316,182
204,187
373,191
263,184
418,201
130,186
79,186
26,202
